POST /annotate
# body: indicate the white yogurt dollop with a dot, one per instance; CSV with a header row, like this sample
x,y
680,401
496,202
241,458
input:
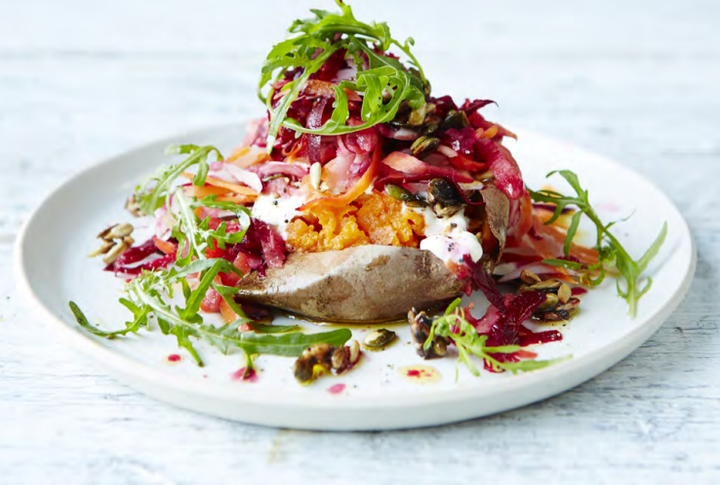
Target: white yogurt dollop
x,y
448,238
277,211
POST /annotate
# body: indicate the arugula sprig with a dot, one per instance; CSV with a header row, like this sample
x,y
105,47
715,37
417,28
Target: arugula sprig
x,y
317,39
153,192
453,325
148,302
611,252
195,236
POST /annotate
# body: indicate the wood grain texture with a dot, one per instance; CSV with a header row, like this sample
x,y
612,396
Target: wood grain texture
x,y
81,80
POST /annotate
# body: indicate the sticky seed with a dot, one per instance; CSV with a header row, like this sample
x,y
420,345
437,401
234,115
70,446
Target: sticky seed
x,y
315,175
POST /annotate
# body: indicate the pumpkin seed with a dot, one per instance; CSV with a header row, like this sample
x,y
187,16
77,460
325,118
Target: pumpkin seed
x,y
440,348
455,119
379,339
444,197
420,325
551,301
403,195
546,285
564,293
529,277
424,145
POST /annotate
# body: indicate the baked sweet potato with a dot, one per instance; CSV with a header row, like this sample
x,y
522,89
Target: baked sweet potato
x,y
359,284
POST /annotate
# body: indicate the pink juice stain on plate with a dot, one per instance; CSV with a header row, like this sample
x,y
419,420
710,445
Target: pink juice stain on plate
x,y
421,374
239,375
336,389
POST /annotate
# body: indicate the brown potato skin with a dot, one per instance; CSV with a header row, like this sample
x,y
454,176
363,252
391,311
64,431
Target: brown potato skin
x,y
355,285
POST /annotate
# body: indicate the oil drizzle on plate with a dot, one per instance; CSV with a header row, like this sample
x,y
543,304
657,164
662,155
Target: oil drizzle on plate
x,y
420,374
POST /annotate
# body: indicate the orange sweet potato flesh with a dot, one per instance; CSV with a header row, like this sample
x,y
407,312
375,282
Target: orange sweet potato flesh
x,y
371,219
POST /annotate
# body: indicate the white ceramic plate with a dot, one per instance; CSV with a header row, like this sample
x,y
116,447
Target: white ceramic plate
x,y
376,394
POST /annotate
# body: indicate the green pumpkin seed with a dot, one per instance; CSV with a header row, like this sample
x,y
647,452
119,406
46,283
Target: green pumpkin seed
x,y
379,338
424,145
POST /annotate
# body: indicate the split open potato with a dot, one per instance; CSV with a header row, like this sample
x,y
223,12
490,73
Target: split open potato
x,y
371,283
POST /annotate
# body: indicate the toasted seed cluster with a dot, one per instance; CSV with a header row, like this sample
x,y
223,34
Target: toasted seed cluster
x,y
115,241
326,358
420,325
444,197
132,206
559,303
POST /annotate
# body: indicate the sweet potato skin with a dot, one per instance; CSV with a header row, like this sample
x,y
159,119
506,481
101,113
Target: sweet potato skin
x,y
356,285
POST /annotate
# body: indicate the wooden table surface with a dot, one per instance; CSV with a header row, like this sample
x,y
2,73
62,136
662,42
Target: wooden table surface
x,y
639,81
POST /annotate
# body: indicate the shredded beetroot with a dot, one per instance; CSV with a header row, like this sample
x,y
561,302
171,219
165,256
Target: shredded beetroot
x,y
271,243
443,105
526,337
361,142
502,322
331,66
315,120
127,263
470,107
481,279
137,253
505,327
503,166
461,140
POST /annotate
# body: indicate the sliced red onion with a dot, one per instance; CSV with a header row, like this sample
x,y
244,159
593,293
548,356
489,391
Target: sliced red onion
x,y
400,134
537,268
503,166
245,176
447,151
298,170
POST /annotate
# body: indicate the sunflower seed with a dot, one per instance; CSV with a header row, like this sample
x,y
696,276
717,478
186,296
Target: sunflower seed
x,y
104,248
354,351
115,252
315,175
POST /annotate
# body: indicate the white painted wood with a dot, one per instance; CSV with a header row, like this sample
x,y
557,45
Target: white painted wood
x,y
635,80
